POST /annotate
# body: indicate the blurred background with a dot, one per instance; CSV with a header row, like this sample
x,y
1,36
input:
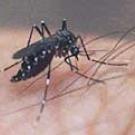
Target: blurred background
x,y
90,16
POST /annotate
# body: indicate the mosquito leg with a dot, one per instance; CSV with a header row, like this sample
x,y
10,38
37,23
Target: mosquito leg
x,y
45,93
83,45
44,27
77,72
107,55
31,33
108,63
90,78
9,67
68,61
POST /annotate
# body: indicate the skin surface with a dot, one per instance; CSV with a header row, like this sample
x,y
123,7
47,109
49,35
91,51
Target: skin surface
x,y
106,108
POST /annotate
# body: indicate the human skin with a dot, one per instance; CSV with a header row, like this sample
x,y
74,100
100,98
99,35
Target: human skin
x,y
102,109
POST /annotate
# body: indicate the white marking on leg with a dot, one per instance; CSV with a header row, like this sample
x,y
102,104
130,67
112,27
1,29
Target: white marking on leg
x,y
47,81
43,102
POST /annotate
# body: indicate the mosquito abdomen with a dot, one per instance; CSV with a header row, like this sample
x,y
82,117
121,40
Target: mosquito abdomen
x,y
33,65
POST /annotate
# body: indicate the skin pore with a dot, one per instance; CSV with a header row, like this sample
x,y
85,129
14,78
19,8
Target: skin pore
x,y
103,108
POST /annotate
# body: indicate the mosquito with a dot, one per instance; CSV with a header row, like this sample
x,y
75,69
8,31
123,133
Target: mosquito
x,y
38,56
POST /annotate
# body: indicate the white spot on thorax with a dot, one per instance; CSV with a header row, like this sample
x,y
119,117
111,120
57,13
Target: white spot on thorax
x,y
29,67
43,52
49,51
70,41
36,59
23,74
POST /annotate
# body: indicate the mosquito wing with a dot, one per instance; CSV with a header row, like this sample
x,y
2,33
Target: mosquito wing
x,y
30,50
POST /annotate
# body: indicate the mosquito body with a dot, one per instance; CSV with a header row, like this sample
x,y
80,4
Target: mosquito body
x,y
38,56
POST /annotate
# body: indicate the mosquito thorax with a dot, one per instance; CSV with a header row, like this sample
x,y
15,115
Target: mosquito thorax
x,y
66,36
